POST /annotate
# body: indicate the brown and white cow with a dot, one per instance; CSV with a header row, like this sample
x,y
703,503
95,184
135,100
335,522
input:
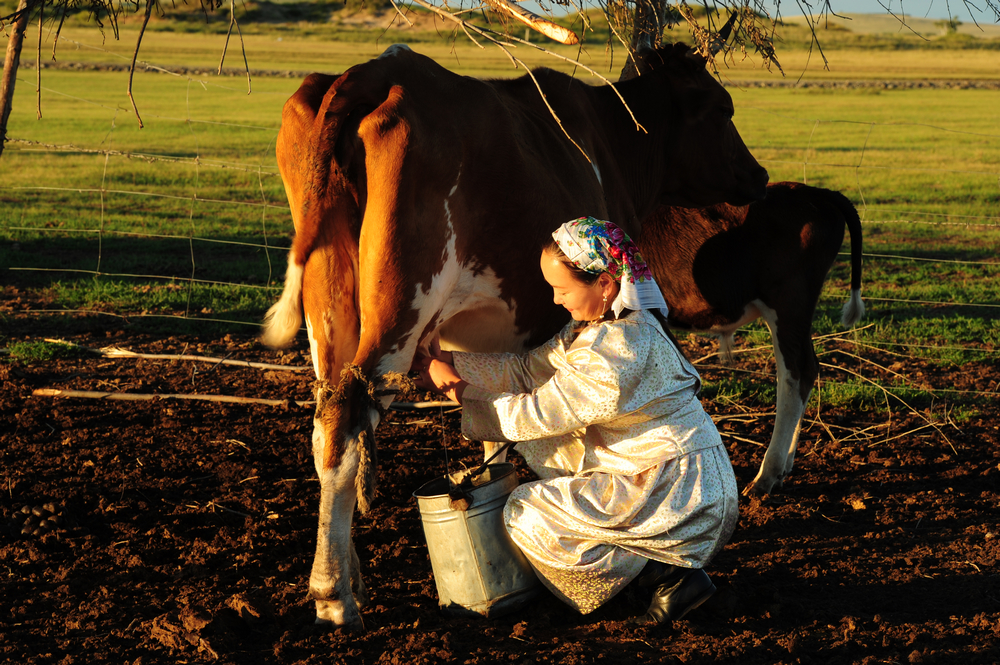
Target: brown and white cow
x,y
421,199
723,266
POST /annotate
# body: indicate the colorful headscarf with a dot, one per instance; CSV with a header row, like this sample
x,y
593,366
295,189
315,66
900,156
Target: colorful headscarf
x,y
596,246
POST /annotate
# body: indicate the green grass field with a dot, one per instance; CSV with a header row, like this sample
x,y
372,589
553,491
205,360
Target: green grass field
x,y
188,217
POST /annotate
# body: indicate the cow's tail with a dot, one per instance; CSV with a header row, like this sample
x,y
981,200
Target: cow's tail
x,y
283,321
854,308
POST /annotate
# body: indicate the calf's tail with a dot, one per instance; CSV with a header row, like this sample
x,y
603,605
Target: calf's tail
x,y
854,308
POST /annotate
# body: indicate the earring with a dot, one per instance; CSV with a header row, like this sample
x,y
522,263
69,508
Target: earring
x,y
604,302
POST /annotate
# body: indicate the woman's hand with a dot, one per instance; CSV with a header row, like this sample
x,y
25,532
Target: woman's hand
x,y
439,376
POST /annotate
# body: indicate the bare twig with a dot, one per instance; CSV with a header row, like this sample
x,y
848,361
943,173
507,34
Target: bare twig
x,y
419,406
865,360
843,333
400,13
535,22
745,418
487,34
213,504
55,38
146,397
135,54
889,393
739,438
555,116
115,352
38,64
229,399
232,22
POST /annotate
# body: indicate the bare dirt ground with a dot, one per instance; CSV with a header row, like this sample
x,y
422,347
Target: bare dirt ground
x,y
186,528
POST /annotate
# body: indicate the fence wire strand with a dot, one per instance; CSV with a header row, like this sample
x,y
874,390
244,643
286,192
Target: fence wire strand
x,y
275,212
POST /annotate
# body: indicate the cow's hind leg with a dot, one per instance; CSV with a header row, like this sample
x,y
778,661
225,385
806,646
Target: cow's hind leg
x,y
797,370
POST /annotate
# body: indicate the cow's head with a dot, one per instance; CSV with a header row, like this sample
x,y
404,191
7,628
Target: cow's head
x,y
707,161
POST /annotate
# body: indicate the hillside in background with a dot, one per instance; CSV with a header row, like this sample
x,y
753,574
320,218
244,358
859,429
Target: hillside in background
x,y
888,25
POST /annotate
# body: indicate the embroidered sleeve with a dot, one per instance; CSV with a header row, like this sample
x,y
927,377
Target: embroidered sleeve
x,y
601,368
511,372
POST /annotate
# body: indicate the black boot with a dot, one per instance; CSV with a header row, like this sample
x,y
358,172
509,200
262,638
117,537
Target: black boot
x,y
678,591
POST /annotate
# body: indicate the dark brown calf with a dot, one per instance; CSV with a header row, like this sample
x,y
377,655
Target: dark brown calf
x,y
724,266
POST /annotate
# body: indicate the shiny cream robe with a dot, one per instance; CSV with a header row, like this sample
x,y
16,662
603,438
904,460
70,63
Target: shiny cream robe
x,y
631,466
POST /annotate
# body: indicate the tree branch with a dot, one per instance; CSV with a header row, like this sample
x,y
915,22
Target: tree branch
x,y
38,64
232,22
135,54
10,64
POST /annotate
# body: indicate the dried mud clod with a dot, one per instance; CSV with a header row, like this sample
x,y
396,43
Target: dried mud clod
x,y
38,521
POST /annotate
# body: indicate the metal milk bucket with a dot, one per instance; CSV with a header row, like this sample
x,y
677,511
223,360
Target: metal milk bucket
x,y
477,567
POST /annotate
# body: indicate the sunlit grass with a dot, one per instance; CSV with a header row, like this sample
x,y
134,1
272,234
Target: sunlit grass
x,y
37,351
201,176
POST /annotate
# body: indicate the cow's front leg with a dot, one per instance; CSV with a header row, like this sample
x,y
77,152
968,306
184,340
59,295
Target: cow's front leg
x,y
335,573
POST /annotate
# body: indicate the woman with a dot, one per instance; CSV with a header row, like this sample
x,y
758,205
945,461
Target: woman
x,y
635,483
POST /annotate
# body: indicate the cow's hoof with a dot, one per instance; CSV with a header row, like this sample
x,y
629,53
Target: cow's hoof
x,y
333,613
761,486
354,627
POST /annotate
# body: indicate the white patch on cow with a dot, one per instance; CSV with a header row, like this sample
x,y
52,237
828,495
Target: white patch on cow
x,y
330,330
394,50
470,313
284,318
597,172
854,309
447,204
724,333
313,348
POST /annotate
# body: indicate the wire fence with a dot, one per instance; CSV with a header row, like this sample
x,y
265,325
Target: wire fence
x,y
205,164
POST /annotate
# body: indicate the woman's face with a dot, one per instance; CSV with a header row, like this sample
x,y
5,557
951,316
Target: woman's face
x,y
584,302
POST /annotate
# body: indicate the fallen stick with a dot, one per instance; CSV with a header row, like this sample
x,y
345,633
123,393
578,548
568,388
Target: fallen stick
x,y
416,406
145,397
116,352
141,397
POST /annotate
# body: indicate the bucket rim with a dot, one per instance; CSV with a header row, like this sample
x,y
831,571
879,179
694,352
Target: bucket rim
x,y
506,469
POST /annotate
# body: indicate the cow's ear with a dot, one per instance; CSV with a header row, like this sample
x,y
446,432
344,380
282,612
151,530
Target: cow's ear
x,y
647,60
694,59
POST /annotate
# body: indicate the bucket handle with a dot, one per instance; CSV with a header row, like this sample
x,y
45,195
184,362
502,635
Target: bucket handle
x,y
462,500
485,464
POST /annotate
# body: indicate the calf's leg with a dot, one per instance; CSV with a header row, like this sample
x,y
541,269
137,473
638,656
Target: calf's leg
x,y
797,370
